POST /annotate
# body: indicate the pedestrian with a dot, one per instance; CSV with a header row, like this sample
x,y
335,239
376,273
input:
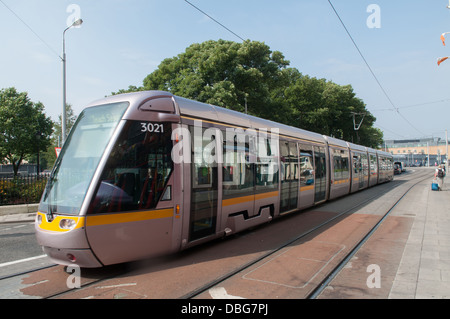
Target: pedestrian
x,y
440,174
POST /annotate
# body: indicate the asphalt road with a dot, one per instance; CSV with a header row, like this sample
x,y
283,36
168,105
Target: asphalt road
x,y
19,250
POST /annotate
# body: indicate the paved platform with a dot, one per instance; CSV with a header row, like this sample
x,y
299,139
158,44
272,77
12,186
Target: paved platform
x,y
410,252
424,270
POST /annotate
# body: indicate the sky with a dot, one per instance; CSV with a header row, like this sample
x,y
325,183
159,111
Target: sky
x,y
391,62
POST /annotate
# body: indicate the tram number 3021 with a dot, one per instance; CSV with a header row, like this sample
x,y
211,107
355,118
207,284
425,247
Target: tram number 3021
x,y
152,127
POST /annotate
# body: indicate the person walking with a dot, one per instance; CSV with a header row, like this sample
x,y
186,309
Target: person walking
x,y
440,174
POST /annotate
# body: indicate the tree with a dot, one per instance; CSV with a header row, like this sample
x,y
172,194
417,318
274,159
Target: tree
x,y
24,127
222,73
70,121
327,108
233,75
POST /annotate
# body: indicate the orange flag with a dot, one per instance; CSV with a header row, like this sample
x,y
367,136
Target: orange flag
x,y
440,60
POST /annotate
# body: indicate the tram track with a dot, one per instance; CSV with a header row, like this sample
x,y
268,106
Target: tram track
x,y
26,272
22,275
327,280
114,272
324,283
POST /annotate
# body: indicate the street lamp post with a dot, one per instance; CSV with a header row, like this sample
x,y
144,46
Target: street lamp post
x,y
63,119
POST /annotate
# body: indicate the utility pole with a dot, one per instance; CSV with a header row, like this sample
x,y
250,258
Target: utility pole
x,y
357,126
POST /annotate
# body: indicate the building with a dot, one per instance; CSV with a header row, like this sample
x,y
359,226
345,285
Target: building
x,y
415,152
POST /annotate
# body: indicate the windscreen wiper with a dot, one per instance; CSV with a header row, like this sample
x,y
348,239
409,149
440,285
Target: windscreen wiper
x,y
50,182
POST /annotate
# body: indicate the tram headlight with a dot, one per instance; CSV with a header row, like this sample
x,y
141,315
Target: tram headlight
x,y
67,223
39,219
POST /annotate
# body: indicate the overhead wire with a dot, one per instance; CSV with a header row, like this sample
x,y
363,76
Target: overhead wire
x,y
388,130
223,26
415,105
30,28
396,109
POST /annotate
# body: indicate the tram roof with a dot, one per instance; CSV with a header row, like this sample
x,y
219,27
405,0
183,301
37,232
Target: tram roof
x,y
226,116
190,108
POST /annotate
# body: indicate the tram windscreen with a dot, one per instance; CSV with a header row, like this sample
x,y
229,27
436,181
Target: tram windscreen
x,y
80,157
137,171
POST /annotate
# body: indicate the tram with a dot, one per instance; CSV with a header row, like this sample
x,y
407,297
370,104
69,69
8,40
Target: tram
x,y
149,173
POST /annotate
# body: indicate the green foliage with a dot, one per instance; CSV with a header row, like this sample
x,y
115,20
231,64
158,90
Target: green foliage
x,y
231,74
21,190
327,108
223,73
24,128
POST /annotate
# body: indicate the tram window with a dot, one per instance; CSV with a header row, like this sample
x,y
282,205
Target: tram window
x,y
293,161
228,173
79,158
136,172
340,164
289,175
167,194
365,164
306,165
294,170
285,168
203,176
373,164
250,163
266,166
337,167
239,155
356,164
345,165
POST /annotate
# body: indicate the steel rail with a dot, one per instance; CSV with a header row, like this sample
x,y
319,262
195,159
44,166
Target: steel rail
x,y
326,281
215,282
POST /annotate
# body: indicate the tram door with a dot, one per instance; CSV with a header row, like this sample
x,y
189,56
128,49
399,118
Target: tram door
x,y
360,172
306,198
290,174
204,183
357,173
321,174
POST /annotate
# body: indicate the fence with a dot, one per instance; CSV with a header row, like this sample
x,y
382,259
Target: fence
x,y
22,189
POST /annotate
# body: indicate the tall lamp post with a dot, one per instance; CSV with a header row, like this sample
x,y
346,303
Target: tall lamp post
x,y
63,120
